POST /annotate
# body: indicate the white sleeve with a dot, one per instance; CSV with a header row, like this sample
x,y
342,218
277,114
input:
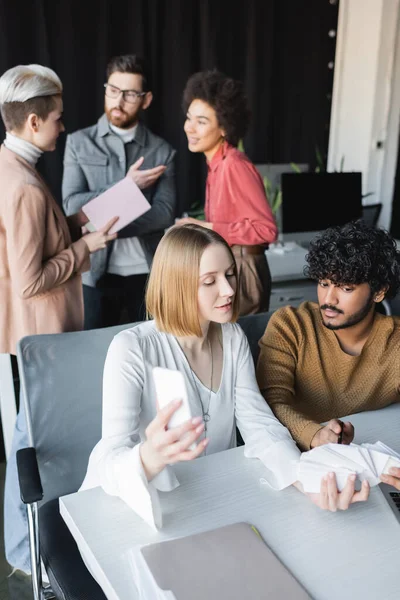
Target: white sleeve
x,y
265,437
115,462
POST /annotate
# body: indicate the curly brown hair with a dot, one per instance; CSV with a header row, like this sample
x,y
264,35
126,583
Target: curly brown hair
x,y
226,96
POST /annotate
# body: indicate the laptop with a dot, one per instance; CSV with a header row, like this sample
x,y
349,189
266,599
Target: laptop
x,y
229,562
392,497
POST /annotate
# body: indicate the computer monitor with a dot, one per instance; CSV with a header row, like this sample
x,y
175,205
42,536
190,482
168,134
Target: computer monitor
x,y
312,202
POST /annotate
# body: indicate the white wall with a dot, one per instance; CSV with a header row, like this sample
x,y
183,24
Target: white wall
x,y
366,96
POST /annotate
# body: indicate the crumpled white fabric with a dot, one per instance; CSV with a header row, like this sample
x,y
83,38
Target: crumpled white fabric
x,y
366,461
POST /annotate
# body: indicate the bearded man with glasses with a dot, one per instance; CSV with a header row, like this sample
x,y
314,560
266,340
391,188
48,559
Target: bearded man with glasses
x,y
98,157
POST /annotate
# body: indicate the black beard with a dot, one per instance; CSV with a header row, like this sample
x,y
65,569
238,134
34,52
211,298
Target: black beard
x,y
355,319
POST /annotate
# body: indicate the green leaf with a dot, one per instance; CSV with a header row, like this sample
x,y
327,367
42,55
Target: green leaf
x,y
267,186
241,146
197,214
295,167
277,201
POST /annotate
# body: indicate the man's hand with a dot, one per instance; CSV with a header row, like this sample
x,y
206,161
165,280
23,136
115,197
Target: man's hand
x,y
331,499
186,220
78,219
331,432
147,177
392,479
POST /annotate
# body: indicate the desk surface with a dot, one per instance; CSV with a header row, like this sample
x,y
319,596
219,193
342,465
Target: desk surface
x,y
286,263
348,555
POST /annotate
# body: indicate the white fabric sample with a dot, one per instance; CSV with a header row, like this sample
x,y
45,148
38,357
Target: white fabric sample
x,y
367,461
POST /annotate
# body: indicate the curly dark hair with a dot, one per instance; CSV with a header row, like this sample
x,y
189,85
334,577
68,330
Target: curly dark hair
x,y
226,96
356,253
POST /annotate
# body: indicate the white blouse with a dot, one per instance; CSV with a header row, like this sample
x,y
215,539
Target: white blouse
x,y
129,405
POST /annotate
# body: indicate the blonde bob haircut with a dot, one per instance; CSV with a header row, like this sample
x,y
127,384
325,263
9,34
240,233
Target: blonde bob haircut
x,y
172,289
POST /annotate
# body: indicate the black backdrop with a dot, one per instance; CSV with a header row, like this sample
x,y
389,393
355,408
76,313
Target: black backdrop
x,y
280,49
395,225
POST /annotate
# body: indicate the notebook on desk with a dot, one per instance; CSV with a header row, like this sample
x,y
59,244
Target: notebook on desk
x,y
230,562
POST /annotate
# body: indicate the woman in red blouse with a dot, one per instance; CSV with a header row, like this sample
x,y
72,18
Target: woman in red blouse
x,y
236,206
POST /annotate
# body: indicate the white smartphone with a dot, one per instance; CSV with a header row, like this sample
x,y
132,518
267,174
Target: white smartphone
x,y
170,385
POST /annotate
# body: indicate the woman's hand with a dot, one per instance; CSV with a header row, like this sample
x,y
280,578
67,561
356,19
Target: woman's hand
x,y
393,478
331,499
186,220
167,446
99,239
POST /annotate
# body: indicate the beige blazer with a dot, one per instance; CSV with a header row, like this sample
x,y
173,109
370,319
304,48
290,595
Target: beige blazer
x,y
40,266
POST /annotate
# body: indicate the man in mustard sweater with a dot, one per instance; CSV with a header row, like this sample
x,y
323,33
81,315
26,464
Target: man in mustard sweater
x,y
319,362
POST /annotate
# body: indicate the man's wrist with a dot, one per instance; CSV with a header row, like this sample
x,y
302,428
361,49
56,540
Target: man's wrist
x,y
80,218
314,441
308,435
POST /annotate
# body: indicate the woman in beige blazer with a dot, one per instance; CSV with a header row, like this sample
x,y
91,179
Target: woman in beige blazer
x,y
42,254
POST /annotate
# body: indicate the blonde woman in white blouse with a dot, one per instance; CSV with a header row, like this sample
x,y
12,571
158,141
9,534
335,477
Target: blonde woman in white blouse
x,y
192,296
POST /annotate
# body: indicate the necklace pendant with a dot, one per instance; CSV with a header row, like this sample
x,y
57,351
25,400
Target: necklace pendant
x,y
206,417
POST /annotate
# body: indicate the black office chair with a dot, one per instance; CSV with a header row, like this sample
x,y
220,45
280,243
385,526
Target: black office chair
x,y
61,381
254,327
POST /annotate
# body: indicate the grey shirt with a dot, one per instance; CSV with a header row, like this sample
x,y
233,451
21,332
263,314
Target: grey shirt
x,y
95,159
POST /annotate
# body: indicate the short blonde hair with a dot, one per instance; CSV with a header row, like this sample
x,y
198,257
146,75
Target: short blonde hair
x,y
27,89
172,290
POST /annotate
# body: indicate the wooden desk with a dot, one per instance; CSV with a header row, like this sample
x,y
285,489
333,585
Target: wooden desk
x,y
351,555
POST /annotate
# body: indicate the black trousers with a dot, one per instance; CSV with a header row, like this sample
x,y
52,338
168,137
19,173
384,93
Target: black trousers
x,y
116,300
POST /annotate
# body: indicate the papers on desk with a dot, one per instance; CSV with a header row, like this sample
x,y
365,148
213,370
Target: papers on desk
x,y
367,461
123,200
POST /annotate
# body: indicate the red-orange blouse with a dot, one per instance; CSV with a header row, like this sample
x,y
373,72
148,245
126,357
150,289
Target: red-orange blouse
x,y
236,203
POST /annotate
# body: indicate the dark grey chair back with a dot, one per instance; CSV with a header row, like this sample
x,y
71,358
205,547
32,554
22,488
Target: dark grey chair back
x,y
61,383
254,327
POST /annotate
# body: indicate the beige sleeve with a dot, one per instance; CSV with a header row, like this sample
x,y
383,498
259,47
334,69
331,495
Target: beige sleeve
x,y
25,223
276,375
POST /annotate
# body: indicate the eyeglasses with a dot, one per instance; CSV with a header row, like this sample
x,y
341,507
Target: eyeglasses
x,y
130,96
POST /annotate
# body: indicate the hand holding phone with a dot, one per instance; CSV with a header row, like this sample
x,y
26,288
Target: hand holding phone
x,y
172,436
170,385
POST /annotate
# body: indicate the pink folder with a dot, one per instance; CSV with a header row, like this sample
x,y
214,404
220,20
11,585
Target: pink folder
x,y
123,200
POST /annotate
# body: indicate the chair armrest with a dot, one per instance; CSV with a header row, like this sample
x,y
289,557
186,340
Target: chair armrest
x,y
30,484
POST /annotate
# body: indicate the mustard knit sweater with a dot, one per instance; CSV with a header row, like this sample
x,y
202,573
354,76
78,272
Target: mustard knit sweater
x,y
307,379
